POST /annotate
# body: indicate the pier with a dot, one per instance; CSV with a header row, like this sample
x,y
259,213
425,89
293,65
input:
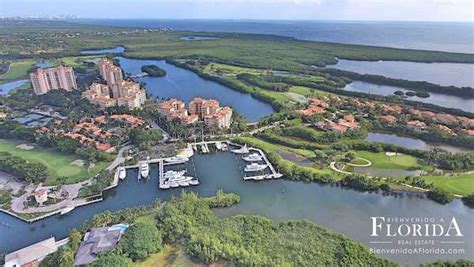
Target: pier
x,y
273,175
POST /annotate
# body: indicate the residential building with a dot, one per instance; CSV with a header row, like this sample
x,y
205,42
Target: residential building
x,y
96,241
207,110
111,74
203,107
222,118
41,195
47,79
31,256
117,91
417,125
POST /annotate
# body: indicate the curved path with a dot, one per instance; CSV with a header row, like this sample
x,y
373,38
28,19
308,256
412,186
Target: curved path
x,y
367,164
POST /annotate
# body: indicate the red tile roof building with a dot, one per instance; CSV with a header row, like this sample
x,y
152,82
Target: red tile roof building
x,y
207,110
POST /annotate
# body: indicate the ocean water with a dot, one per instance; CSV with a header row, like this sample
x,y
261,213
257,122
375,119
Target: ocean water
x,y
439,36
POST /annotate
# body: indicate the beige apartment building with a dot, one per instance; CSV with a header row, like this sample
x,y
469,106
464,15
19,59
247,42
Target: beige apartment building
x,y
207,110
47,79
117,91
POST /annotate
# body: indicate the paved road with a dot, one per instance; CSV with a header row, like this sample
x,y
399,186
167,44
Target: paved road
x,y
119,159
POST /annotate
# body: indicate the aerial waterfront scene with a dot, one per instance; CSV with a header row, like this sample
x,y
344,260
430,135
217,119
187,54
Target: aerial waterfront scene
x,y
224,133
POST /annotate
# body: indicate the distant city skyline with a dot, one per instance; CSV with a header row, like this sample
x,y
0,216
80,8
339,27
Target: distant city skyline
x,y
364,10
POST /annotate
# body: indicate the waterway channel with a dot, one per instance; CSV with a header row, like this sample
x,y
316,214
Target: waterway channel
x,y
345,211
186,85
413,143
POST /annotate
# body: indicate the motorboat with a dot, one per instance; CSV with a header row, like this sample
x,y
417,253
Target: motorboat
x,y
170,175
219,145
174,184
277,175
224,147
66,210
165,186
242,150
252,157
194,182
258,178
122,173
183,183
177,159
144,170
254,167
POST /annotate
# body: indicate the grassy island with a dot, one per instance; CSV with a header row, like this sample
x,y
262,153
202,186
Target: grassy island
x,y
154,71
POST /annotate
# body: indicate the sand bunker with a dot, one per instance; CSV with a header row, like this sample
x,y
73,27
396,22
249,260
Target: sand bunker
x,y
78,162
25,147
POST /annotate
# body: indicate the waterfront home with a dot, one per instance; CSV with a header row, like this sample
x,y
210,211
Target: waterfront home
x,y
417,125
207,110
31,256
388,118
41,195
117,91
96,241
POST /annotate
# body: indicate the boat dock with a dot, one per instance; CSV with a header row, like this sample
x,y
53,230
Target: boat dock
x,y
273,175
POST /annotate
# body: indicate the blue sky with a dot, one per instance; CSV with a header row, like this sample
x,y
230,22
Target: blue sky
x,y
419,10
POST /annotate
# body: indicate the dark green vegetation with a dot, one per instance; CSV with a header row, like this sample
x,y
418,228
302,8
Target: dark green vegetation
x,y
99,183
458,263
468,200
154,71
440,196
142,239
189,223
25,171
145,139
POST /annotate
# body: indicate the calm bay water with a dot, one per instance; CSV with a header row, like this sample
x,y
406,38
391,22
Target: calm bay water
x,y
341,210
440,36
413,143
442,100
457,74
186,85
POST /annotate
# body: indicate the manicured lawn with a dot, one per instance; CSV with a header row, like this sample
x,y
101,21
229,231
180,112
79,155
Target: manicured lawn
x,y
58,164
268,147
380,160
457,184
306,91
168,256
18,69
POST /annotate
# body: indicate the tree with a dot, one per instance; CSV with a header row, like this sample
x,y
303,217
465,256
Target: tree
x,y
141,240
112,259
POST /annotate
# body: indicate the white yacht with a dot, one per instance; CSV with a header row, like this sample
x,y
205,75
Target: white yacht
x,y
174,184
242,150
219,145
224,147
165,186
144,170
252,157
254,167
194,182
170,175
122,173
177,159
